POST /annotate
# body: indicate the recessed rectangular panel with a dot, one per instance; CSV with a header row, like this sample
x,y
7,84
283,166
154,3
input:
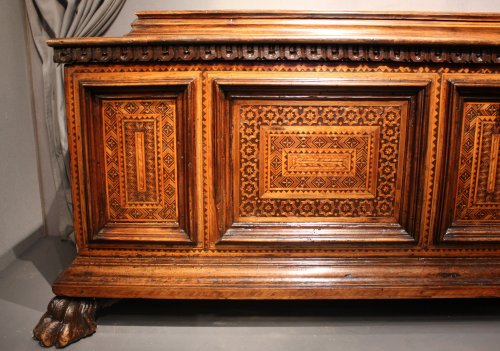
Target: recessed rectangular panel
x,y
321,160
140,153
138,161
478,186
140,164
470,203
134,136
318,161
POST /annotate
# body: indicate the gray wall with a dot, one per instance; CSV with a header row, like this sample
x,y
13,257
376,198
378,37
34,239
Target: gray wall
x,y
21,220
58,221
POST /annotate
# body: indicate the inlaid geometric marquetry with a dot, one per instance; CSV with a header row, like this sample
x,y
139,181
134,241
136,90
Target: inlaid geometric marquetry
x,y
318,159
478,186
140,153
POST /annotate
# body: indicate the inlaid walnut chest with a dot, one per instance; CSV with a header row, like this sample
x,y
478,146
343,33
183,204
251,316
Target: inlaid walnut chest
x,y
282,155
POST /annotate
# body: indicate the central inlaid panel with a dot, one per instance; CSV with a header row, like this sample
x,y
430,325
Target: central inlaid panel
x,y
478,190
140,153
318,159
318,162
326,159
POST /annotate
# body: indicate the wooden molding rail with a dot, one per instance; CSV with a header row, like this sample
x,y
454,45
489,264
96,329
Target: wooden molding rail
x,y
294,35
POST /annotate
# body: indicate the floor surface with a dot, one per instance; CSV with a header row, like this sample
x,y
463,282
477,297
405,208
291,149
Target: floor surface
x,y
472,325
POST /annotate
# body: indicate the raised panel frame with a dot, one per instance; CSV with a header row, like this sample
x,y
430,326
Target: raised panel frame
x,y
458,92
88,93
225,88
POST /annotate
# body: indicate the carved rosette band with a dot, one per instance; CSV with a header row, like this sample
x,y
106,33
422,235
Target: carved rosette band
x,y
276,52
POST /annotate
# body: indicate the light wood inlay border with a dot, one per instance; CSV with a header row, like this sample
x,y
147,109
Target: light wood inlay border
x,y
139,160
492,175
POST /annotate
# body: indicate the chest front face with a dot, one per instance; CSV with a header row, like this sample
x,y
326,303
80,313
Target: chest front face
x,y
329,159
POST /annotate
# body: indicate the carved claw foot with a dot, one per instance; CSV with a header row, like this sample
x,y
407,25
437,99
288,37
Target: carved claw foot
x,y
67,320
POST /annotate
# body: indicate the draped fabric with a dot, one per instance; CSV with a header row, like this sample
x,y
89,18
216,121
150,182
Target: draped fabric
x,y
60,19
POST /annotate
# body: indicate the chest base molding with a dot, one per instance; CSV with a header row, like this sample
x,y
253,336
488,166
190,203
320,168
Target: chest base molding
x,y
280,278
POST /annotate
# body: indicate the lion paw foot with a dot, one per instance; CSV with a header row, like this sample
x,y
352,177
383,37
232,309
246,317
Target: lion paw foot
x,y
66,321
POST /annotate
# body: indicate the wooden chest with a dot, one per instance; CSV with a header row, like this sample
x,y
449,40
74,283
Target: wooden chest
x,y
290,155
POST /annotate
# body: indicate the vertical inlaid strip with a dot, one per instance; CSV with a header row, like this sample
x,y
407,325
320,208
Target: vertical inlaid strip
x,y
492,176
140,161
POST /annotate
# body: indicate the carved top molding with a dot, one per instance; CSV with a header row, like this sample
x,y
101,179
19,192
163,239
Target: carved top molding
x,y
294,35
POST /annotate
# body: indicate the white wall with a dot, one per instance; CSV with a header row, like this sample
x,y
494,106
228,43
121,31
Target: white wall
x,y
122,24
21,221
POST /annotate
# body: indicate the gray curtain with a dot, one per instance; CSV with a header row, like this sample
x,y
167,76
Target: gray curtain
x,y
60,19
